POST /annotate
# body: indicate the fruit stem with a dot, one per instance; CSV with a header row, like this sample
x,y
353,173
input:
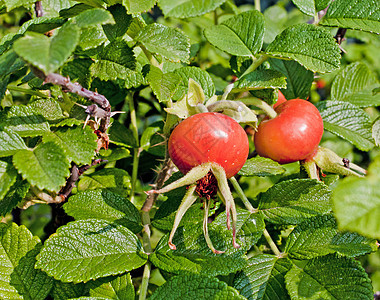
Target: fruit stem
x,y
260,104
242,196
257,5
271,243
255,64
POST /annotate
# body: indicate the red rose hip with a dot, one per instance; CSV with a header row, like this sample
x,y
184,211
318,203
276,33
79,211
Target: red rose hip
x,y
293,135
209,137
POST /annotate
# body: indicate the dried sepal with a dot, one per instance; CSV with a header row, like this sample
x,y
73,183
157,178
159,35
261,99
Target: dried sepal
x,y
188,200
205,227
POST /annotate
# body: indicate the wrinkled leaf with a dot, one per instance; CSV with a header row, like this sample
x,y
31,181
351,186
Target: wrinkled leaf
x,y
89,249
302,43
45,167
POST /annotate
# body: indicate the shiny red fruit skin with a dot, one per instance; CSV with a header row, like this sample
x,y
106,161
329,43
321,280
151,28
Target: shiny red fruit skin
x,y
291,136
209,137
281,99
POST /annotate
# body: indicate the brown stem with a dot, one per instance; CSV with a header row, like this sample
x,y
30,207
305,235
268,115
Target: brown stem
x,y
340,35
74,177
160,180
38,9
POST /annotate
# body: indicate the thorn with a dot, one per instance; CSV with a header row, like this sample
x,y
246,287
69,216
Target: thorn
x,y
85,122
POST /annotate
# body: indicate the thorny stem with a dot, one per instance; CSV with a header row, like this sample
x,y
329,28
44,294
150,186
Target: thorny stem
x,y
74,177
271,243
38,9
340,35
260,104
242,196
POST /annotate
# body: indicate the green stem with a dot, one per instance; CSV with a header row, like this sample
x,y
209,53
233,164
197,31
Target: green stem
x,y
150,57
242,196
255,64
26,91
136,152
145,281
271,243
145,218
257,5
260,104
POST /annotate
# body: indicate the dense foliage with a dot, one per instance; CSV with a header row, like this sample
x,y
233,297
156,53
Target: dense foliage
x,y
90,92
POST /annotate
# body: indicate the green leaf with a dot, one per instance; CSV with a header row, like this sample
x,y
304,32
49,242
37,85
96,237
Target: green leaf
x,y
293,201
92,17
89,249
79,144
116,288
195,287
78,70
63,290
376,131
260,79
105,205
15,195
48,54
357,205
329,277
198,75
122,22
311,7
28,281
8,175
25,121
302,43
138,6
115,180
261,166
354,84
165,41
355,14
163,85
11,4
298,79
45,167
121,135
319,236
41,24
10,143
194,256
347,121
147,135
241,35
19,279
91,38
188,8
9,63
49,109
263,278
117,61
